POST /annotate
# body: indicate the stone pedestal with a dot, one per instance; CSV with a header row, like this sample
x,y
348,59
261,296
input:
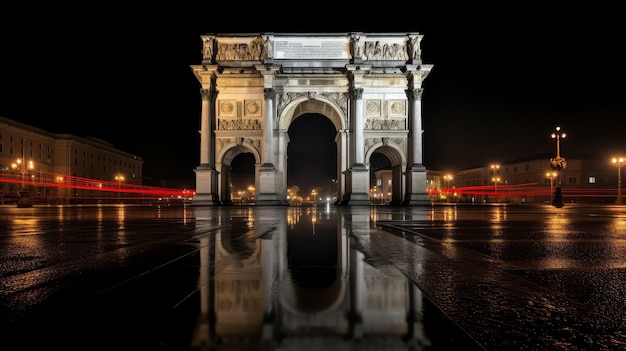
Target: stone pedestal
x,y
416,185
267,193
360,180
206,187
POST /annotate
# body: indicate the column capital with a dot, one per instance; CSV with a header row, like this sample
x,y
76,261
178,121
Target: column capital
x,y
415,94
357,93
269,93
207,94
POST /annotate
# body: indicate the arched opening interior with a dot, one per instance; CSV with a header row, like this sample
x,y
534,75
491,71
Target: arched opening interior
x,y
242,178
385,176
312,157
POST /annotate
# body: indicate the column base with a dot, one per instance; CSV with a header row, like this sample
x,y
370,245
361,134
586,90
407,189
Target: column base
x,y
557,201
24,199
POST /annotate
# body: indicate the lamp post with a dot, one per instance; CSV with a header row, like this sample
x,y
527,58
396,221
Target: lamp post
x,y
495,181
619,162
495,169
558,164
119,179
551,175
447,178
23,167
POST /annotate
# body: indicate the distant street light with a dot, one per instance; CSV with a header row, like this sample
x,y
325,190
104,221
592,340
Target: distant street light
x,y
119,179
619,162
447,178
558,164
495,169
22,167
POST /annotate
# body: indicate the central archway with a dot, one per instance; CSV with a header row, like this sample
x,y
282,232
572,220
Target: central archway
x,y
312,158
322,112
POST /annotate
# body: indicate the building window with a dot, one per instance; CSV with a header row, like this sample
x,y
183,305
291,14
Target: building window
x,y
571,180
592,180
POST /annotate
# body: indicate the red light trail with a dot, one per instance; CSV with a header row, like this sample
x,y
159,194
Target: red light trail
x,y
59,181
526,190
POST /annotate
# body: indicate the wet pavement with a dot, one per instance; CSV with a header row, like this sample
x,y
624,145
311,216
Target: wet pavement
x,y
445,277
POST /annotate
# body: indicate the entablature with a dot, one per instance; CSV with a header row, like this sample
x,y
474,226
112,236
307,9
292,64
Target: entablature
x,y
312,52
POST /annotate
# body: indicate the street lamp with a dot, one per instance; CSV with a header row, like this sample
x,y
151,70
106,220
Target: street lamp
x,y
619,162
551,175
447,178
495,169
23,167
558,164
119,179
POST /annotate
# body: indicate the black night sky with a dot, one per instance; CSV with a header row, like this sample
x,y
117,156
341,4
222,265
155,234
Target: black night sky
x,y
502,79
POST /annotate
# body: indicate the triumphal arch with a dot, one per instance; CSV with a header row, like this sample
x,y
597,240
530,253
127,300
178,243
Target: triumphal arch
x,y
369,85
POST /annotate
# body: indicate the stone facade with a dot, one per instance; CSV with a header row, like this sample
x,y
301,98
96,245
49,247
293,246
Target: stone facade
x,y
369,85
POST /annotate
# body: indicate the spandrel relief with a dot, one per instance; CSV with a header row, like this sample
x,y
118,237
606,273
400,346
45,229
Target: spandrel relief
x,y
371,142
228,142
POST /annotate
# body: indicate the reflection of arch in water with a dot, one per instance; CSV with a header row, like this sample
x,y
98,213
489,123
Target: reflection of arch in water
x,y
239,285
315,288
236,241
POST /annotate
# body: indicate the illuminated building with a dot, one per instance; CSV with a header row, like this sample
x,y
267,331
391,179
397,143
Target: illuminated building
x,y
587,179
60,159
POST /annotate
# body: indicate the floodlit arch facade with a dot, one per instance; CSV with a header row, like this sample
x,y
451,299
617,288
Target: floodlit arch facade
x,y
253,86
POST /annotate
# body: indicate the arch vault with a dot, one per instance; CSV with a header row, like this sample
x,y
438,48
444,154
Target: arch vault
x,y
369,85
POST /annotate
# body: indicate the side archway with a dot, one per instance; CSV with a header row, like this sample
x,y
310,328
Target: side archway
x,y
225,167
398,163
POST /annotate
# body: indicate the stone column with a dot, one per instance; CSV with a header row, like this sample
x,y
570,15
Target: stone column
x,y
357,192
206,175
358,127
205,127
415,176
415,98
268,129
270,186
